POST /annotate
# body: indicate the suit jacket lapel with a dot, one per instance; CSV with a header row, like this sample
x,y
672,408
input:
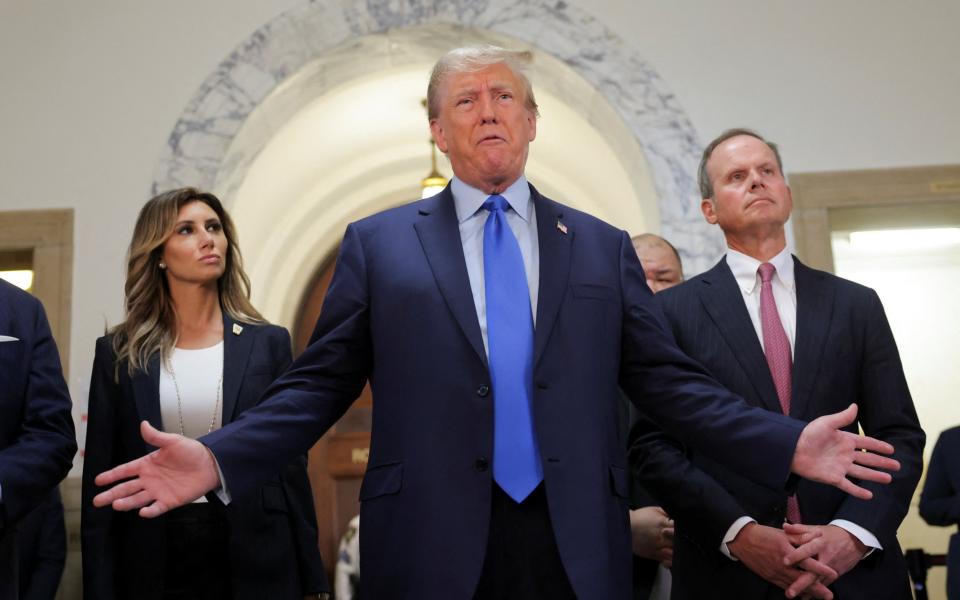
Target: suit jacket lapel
x,y
723,301
555,239
146,393
237,345
814,313
440,238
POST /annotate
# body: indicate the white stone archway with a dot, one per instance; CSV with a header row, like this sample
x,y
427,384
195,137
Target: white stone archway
x,y
270,130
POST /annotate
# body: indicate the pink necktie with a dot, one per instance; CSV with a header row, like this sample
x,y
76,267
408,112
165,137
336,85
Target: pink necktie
x,y
776,346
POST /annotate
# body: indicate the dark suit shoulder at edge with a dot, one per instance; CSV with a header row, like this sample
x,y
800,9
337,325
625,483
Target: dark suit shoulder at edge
x,y
17,297
690,287
846,285
390,216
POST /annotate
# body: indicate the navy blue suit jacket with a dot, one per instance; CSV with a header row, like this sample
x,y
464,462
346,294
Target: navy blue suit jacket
x,y
940,500
399,311
37,440
844,352
273,534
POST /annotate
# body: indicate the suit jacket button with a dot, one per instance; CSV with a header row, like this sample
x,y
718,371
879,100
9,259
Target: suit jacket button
x,y
483,391
481,464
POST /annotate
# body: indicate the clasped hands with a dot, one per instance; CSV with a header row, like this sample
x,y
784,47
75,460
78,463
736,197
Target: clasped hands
x,y
801,559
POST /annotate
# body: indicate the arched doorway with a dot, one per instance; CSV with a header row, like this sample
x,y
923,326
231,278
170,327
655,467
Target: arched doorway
x,y
337,461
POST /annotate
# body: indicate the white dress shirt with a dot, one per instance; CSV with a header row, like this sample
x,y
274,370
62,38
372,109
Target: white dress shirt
x,y
784,286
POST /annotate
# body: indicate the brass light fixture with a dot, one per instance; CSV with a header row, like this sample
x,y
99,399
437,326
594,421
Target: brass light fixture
x,y
434,182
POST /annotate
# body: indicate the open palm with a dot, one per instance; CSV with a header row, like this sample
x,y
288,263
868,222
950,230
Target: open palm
x,y
827,454
178,472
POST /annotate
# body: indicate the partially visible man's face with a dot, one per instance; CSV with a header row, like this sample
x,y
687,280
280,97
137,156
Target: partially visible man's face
x,y
750,195
660,265
485,127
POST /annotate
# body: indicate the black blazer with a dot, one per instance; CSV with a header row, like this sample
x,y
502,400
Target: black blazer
x,y
940,500
273,535
844,352
37,441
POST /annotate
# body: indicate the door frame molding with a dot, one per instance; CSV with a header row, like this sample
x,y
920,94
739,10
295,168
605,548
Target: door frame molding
x,y
821,201
49,235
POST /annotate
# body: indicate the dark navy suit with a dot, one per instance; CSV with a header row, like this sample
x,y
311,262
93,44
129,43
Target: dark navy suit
x,y
273,551
42,549
844,352
400,312
37,440
940,500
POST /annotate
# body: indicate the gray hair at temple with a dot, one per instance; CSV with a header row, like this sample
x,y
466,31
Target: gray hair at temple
x,y
703,179
476,58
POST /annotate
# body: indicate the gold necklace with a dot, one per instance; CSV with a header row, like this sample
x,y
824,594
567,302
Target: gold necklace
x,y
168,364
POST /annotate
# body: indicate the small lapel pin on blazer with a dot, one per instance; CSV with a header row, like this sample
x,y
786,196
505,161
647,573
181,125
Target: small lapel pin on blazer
x,y
561,227
237,329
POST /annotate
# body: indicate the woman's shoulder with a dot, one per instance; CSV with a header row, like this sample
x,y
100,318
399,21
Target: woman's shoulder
x,y
104,345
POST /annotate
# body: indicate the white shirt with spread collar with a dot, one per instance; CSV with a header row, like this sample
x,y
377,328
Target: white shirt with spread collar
x,y
744,269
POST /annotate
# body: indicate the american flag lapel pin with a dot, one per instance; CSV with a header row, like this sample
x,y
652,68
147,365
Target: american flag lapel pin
x,y
237,329
561,227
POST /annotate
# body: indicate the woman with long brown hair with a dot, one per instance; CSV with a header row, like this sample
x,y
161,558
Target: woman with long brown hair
x,y
191,354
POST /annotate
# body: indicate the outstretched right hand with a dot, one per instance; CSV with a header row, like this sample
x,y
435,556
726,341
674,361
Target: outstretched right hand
x,y
178,472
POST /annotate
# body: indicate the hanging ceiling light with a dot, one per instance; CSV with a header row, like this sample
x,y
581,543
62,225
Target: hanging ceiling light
x,y
434,182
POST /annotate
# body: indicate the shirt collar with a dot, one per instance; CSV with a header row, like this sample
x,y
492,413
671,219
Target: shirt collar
x,y
745,267
468,200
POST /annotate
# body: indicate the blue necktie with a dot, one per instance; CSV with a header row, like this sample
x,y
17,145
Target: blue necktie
x,y
516,459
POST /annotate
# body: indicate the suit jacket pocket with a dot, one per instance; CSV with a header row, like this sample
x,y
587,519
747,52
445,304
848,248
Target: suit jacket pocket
x,y
618,481
593,291
382,480
274,499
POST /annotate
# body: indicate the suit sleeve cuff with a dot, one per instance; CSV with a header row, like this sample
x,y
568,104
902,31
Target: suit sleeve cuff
x,y
866,538
732,535
222,492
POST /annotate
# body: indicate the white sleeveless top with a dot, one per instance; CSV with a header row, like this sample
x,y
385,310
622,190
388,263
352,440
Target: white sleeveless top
x,y
198,377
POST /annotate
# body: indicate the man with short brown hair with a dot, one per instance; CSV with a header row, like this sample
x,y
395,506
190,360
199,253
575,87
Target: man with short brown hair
x,y
791,340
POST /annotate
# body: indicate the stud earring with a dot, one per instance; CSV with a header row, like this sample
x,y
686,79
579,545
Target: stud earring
x,y
162,265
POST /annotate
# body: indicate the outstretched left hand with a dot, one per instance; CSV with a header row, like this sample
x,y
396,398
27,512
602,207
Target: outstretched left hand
x,y
827,454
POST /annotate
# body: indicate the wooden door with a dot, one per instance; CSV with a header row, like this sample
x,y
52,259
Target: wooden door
x,y
338,460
